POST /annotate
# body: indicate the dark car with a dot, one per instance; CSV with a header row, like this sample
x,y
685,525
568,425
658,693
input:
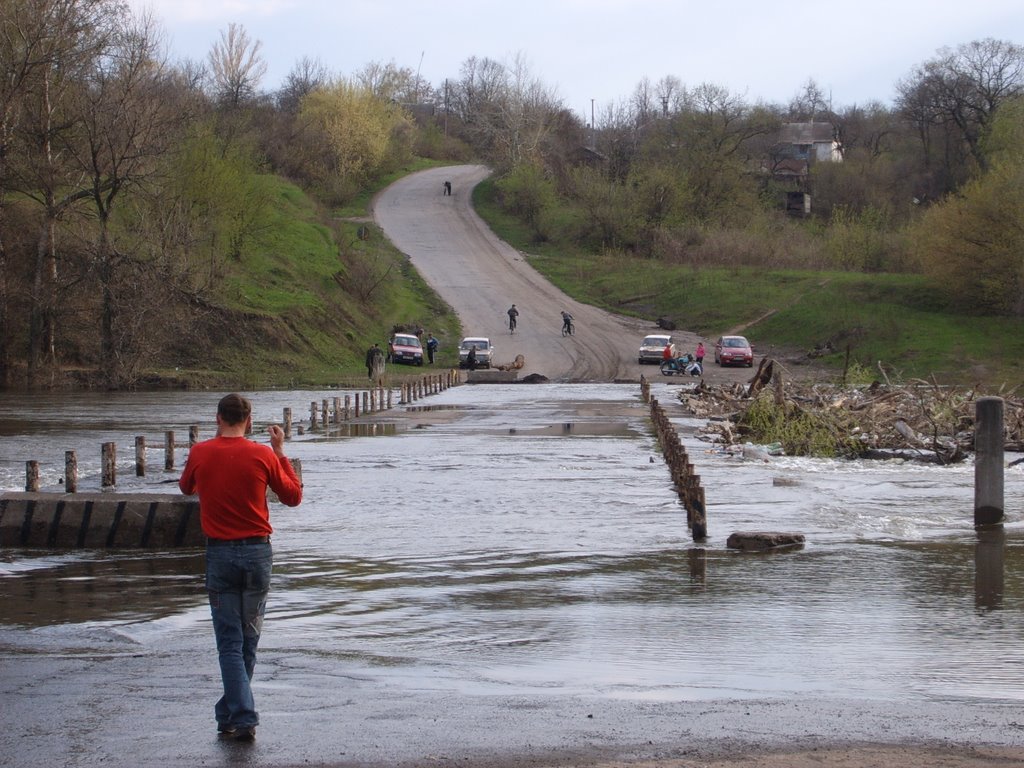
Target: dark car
x,y
733,350
406,348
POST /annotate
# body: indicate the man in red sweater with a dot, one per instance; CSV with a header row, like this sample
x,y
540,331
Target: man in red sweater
x,y
231,474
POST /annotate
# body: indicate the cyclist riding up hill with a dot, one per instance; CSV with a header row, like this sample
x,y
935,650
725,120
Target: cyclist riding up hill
x,y
566,322
513,313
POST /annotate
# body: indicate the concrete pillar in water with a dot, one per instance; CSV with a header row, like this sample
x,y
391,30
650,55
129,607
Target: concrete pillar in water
x,y
988,461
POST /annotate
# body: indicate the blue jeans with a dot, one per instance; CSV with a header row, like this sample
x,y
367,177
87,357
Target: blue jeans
x,y
237,580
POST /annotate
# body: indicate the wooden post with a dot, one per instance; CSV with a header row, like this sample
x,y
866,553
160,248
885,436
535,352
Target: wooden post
x,y
70,472
336,418
356,410
312,415
366,402
287,416
140,456
193,435
32,476
348,407
988,461
169,451
108,455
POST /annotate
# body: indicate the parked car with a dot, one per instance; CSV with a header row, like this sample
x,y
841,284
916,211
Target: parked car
x,y
733,350
482,346
652,348
406,348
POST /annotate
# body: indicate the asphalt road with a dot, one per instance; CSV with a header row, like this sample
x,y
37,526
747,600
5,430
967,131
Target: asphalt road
x,y
481,276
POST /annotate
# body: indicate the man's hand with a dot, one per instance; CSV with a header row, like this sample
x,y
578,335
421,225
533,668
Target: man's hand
x,y
276,439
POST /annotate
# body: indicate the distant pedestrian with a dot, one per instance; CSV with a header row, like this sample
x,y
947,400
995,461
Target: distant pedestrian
x,y
374,362
431,348
448,188
471,359
700,353
513,318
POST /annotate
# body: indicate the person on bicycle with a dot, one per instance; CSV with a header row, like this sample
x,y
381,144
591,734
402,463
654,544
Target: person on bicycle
x,y
566,322
513,313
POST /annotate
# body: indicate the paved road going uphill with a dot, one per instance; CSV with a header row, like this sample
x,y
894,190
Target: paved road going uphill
x,y
481,276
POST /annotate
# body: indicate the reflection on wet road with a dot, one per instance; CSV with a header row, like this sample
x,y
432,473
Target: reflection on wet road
x,y
520,539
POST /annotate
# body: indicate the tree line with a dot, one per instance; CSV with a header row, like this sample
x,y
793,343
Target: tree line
x,y
131,186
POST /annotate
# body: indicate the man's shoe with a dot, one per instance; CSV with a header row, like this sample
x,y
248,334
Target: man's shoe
x,y
225,729
245,733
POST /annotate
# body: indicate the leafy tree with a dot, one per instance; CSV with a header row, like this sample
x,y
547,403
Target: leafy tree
x,y
360,135
972,242
528,194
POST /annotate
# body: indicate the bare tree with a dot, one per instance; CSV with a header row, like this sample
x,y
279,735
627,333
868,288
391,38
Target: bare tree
x,y
66,36
306,76
962,88
236,66
129,121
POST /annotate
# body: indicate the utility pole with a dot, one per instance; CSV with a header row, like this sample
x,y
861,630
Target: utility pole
x,y
593,128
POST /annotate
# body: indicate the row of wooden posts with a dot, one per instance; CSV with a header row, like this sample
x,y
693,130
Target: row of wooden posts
x,y
321,416
686,481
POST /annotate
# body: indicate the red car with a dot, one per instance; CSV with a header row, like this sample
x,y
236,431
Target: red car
x,y
733,350
406,348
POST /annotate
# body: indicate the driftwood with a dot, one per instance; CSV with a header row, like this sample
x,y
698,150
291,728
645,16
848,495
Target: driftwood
x,y
916,419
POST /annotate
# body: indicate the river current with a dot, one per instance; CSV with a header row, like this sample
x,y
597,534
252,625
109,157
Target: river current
x,y
527,539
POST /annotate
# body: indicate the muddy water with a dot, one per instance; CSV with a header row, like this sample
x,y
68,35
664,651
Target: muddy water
x,y
521,540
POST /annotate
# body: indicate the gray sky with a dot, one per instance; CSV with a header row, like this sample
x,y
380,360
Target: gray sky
x,y
600,50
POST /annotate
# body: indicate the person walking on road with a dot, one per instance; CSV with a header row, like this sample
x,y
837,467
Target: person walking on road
x,y
513,315
231,475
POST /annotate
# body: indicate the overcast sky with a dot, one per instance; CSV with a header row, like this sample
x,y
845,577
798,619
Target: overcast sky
x,y
600,50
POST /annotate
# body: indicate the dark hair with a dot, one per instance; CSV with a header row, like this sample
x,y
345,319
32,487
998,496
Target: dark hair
x,y
234,409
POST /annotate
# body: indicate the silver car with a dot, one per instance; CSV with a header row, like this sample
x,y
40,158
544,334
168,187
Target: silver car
x,y
482,349
652,348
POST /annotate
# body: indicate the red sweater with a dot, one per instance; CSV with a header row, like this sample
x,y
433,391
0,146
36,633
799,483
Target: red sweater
x,y
231,476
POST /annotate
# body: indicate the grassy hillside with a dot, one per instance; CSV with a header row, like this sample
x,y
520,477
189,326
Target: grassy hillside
x,y
301,307
888,318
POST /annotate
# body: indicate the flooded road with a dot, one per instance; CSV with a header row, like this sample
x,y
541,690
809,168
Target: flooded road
x,y
509,562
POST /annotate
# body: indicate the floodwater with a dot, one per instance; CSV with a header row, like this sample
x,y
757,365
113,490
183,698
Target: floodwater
x,y
526,540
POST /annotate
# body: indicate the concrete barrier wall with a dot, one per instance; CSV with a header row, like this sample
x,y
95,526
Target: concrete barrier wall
x,y
99,521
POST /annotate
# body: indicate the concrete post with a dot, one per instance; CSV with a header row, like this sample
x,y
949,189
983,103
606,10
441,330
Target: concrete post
x,y
140,456
70,472
988,461
108,454
169,451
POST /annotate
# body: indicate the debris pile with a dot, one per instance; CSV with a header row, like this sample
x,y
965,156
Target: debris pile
x,y
917,419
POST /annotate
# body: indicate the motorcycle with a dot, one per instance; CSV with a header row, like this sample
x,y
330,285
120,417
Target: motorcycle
x,y
687,365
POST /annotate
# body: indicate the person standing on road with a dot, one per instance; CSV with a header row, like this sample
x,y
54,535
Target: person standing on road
x,y
231,474
513,315
700,353
374,362
431,348
448,188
